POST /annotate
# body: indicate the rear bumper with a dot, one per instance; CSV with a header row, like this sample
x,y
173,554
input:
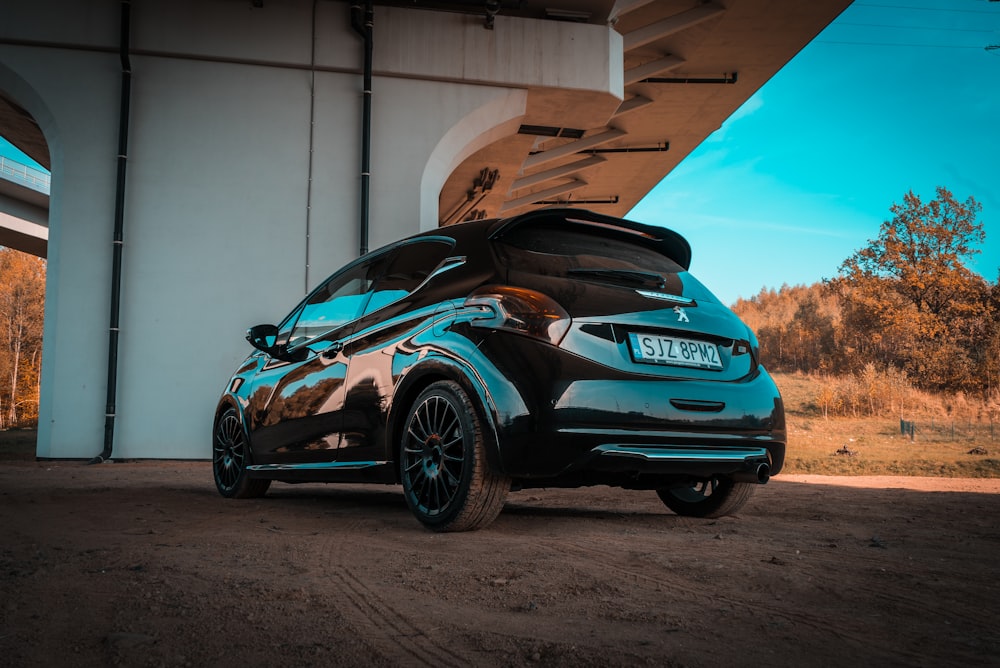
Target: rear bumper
x,y
641,460
742,464
647,427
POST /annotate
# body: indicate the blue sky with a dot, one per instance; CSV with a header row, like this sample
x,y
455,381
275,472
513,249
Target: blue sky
x,y
8,150
895,95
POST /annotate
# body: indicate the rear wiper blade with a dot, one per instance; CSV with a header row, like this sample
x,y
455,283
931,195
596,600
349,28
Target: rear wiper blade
x,y
632,276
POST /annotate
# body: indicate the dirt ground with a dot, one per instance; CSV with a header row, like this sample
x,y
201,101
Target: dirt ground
x,y
143,564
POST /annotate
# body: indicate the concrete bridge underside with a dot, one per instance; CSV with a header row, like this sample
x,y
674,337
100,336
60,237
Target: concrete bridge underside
x,y
244,150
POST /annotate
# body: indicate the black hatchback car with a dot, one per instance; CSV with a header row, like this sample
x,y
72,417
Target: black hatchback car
x,y
559,348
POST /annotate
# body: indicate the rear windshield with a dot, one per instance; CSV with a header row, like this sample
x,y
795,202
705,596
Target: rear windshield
x,y
549,249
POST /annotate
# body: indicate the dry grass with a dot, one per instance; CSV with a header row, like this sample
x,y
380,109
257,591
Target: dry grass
x,y
947,442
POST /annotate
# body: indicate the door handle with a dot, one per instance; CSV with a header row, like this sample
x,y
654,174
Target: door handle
x,y
332,350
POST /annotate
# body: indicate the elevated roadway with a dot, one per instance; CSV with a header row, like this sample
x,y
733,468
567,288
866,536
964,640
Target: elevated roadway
x,y
24,207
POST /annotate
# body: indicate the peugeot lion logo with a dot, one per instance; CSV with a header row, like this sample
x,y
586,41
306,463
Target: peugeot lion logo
x,y
682,315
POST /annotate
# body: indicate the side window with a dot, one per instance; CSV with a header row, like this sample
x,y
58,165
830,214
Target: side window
x,y
337,302
410,266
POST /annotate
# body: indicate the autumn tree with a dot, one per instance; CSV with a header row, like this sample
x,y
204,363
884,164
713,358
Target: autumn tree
x,y
987,353
22,296
795,325
909,301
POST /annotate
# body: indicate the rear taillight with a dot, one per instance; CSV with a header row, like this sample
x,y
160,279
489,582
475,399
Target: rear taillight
x,y
754,346
520,310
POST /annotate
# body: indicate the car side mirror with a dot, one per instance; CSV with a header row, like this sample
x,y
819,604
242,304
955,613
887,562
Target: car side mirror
x,y
264,337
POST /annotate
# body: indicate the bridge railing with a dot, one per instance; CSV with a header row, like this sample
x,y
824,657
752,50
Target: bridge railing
x,y
26,176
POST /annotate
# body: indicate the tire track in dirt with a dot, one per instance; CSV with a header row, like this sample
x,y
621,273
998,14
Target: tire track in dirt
x,y
383,626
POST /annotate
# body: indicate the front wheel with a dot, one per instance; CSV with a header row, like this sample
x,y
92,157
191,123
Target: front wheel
x,y
442,462
231,457
714,497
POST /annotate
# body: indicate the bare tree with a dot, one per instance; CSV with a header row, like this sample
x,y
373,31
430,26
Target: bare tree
x,y
22,298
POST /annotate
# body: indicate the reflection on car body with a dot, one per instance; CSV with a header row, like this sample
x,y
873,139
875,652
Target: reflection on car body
x,y
556,348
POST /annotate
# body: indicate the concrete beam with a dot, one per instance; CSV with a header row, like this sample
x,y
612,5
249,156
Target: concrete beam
x,y
24,203
23,236
631,104
517,52
624,7
671,25
652,69
571,148
556,172
543,194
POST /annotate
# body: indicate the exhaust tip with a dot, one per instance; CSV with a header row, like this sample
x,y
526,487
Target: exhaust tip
x,y
755,472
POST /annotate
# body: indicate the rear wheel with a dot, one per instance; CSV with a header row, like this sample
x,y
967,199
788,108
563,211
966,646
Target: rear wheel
x,y
231,457
714,497
442,462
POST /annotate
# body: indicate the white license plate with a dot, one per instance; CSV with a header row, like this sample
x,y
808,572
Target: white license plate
x,y
656,349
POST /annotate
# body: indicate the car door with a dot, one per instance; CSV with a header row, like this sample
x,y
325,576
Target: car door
x,y
296,403
393,316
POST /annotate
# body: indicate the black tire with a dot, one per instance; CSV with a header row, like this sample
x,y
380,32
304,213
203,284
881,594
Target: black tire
x,y
446,480
715,497
230,458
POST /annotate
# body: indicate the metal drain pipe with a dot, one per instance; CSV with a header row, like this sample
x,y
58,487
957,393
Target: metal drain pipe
x,y
363,26
119,241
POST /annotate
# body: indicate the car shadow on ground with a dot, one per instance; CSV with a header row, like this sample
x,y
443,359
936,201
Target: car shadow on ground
x,y
374,502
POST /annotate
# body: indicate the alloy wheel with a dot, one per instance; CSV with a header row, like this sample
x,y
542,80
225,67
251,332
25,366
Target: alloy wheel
x,y
434,454
230,451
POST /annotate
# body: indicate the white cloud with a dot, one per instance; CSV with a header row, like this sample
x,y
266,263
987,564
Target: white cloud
x,y
748,108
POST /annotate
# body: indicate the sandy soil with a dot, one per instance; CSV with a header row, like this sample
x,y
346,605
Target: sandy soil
x,y
143,564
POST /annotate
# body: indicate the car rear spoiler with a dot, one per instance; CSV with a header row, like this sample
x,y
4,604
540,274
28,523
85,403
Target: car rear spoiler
x,y
663,240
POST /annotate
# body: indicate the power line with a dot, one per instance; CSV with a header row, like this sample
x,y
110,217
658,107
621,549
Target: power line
x,y
886,25
930,9
919,46
990,47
